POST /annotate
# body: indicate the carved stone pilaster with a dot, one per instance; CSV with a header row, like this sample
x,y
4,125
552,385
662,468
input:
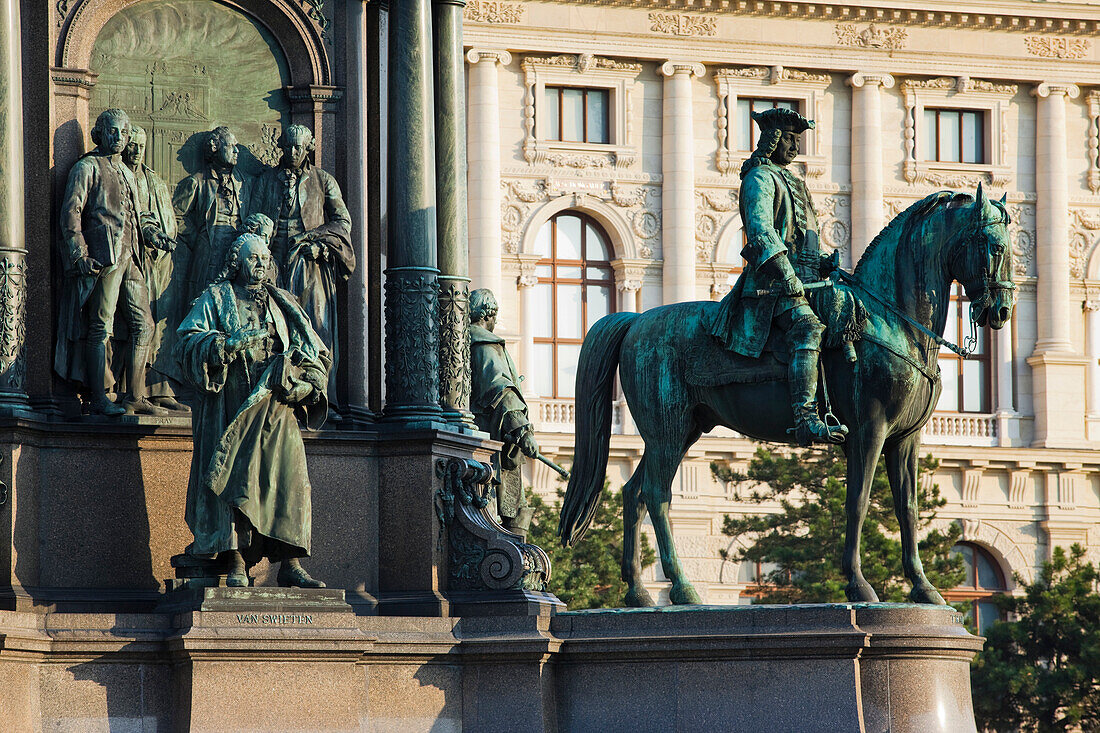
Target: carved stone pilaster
x,y
412,344
454,350
482,555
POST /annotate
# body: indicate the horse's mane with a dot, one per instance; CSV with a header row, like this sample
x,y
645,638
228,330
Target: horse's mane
x,y
901,225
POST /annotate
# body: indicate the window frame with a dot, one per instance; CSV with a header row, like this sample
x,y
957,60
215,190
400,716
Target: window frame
x,y
983,139
970,590
584,282
750,124
958,297
561,89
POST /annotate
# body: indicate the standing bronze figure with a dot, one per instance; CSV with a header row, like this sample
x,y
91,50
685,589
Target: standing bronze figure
x,y
165,293
103,242
500,410
311,242
248,349
680,381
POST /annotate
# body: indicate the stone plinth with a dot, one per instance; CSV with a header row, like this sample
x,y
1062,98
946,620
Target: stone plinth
x,y
265,659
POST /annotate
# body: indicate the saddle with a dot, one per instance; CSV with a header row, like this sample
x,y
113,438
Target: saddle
x,y
838,307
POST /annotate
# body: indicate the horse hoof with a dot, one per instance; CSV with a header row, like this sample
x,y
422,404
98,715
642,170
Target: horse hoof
x,y
925,593
639,598
684,595
861,591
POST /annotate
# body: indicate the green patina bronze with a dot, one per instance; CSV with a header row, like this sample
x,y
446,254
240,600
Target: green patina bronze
x,y
679,381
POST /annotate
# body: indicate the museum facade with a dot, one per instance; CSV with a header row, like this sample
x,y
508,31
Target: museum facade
x,y
605,140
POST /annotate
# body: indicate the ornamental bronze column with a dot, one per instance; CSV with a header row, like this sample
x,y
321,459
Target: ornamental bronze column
x,y
412,277
13,250
453,244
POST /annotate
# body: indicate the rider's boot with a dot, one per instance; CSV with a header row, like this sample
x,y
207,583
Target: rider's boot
x,y
808,426
521,523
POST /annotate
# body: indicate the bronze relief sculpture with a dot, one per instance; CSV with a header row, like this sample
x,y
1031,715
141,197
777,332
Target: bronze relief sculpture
x,y
104,238
884,327
249,351
311,241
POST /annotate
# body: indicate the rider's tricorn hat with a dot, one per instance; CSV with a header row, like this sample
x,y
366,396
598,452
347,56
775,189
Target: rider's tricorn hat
x,y
782,118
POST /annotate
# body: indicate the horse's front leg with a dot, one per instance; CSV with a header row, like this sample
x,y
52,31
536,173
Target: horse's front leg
x,y
902,462
863,449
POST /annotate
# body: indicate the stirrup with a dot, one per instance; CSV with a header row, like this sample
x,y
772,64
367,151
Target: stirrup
x,y
813,430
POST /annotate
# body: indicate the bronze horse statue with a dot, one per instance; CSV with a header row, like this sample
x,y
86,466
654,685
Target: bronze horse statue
x,y
885,396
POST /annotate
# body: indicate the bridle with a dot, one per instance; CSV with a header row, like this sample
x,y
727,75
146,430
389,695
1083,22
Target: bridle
x,y
979,279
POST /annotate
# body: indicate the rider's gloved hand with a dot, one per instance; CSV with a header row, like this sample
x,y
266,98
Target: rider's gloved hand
x,y
785,277
829,263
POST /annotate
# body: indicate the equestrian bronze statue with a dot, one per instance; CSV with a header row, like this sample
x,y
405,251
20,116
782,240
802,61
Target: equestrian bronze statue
x,y
881,328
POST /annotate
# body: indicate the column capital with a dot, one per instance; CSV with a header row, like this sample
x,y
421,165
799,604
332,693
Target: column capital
x,y
629,274
871,79
1047,88
497,55
527,264
671,68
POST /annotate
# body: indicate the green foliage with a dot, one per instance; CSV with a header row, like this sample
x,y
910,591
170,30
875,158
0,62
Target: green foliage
x,y
805,538
588,575
1040,672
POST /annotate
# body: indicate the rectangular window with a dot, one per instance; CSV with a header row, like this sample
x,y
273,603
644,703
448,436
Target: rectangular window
x,y
577,115
748,132
954,135
966,383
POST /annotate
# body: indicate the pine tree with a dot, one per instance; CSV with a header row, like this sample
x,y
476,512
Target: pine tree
x,y
804,540
587,575
1041,672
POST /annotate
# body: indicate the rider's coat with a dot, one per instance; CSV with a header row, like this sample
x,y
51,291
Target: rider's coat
x,y
778,217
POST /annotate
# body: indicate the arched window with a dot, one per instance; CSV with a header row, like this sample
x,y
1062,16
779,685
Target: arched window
x,y
984,579
575,289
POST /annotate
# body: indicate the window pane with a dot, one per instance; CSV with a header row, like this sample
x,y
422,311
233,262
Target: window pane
x,y
542,241
972,146
597,116
544,311
987,615
974,386
572,115
785,104
551,117
929,135
595,247
988,577
744,124
544,271
567,368
949,397
599,304
569,237
967,555
949,135
541,373
598,273
951,328
569,272
570,318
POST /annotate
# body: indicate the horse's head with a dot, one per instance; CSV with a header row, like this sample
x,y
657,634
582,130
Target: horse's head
x,y
982,261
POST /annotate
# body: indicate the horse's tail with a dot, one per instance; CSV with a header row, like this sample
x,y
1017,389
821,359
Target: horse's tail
x,y
595,380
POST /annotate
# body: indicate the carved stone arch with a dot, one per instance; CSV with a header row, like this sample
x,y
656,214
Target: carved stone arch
x,y
299,36
1001,547
737,543
1092,257
610,218
727,250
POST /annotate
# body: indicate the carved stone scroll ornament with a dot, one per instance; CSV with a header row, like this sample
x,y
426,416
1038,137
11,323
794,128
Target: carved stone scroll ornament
x,y
487,11
483,556
888,39
680,24
1052,47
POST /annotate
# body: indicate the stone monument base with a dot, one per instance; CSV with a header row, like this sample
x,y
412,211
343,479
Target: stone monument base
x,y
231,659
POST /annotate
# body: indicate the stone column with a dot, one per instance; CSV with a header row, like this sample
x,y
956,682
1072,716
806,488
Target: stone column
x,y
1092,370
1008,426
13,249
453,245
867,190
317,104
412,278
484,166
678,174
628,284
1057,371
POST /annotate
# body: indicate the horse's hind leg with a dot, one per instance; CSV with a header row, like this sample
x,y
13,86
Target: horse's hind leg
x,y
902,467
863,449
660,466
633,513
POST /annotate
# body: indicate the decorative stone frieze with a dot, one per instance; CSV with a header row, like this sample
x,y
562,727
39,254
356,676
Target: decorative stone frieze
x,y
681,24
964,93
1054,47
834,224
889,38
806,87
715,211
583,70
1021,229
1084,223
487,11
